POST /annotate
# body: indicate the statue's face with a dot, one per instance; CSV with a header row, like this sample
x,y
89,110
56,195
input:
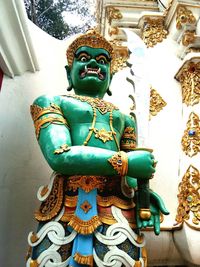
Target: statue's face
x,y
90,72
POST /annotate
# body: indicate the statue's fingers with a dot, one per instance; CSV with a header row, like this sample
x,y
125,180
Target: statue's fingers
x,y
157,224
160,203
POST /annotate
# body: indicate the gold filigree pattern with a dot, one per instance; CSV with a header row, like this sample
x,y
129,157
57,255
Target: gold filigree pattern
x,y
113,13
103,135
116,201
129,133
184,16
101,105
62,149
119,161
189,198
189,78
157,103
153,31
86,182
37,111
85,206
191,138
84,227
188,38
53,204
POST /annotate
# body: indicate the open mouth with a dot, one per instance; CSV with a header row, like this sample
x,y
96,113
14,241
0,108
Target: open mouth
x,y
93,72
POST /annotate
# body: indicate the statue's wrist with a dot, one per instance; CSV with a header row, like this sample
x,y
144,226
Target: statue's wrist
x,y
119,162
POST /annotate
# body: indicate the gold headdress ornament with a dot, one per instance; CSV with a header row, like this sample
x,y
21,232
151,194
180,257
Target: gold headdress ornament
x,y
92,39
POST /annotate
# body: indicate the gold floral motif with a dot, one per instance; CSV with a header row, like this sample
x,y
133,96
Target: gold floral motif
x,y
122,55
85,206
189,198
189,78
85,260
157,103
86,182
62,149
84,227
103,135
188,38
113,13
153,31
184,16
191,138
119,161
53,204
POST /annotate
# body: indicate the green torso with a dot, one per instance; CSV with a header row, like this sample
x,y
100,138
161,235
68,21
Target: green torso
x,y
80,116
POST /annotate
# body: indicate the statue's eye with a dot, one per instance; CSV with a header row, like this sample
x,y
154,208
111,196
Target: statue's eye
x,y
102,61
83,59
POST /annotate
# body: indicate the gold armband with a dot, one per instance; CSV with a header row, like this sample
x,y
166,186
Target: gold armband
x,y
119,161
55,120
37,111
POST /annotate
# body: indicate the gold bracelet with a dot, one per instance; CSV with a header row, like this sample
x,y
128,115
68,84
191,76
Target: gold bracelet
x,y
119,161
39,123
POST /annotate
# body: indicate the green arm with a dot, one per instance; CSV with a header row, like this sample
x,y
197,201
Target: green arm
x,y
83,160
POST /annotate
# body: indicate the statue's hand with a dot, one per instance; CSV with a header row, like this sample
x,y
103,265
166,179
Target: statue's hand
x,y
157,207
140,164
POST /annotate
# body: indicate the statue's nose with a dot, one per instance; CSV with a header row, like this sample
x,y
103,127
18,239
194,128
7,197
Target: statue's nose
x,y
92,63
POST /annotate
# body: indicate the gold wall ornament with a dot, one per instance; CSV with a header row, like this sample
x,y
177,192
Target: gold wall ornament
x,y
113,31
157,103
191,138
189,77
184,16
189,198
153,31
113,13
188,38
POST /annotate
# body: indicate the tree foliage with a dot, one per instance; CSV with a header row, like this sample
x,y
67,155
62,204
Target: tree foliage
x,y
50,15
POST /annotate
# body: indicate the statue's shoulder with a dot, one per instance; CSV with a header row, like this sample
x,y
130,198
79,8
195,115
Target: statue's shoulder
x,y
47,100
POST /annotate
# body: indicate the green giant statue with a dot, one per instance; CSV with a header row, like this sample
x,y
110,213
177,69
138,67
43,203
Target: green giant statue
x,y
92,210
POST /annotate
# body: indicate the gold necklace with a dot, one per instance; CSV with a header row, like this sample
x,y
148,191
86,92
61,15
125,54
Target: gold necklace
x,y
103,107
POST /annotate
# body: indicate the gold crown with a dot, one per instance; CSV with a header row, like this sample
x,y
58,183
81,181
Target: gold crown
x,y
92,39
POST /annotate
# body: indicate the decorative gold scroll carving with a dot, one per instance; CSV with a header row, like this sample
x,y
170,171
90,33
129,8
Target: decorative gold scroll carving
x,y
189,198
191,138
184,16
113,31
122,55
190,82
188,38
153,31
157,103
113,13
